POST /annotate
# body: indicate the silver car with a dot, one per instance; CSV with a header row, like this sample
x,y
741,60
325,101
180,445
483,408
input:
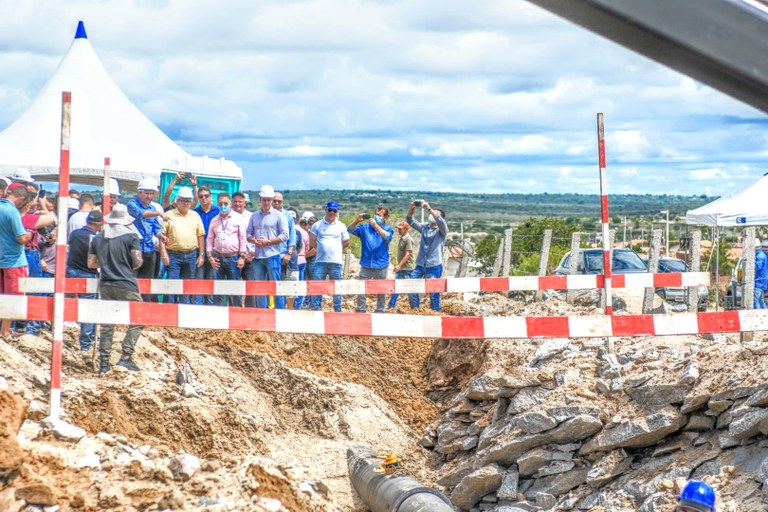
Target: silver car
x,y
680,294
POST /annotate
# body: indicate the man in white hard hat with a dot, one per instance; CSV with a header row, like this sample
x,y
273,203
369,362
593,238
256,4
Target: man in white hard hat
x,y
183,251
114,192
147,221
267,229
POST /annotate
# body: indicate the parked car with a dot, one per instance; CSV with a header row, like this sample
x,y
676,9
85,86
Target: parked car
x,y
679,293
624,261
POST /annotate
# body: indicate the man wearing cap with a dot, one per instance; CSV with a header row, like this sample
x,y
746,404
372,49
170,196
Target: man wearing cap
x,y
77,266
22,175
183,251
147,222
375,236
761,274
267,229
429,263
329,236
406,262
116,250
13,237
114,192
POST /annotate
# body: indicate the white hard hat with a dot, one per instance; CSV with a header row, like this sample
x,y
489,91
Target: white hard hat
x,y
73,204
185,193
22,174
267,191
307,215
114,187
148,184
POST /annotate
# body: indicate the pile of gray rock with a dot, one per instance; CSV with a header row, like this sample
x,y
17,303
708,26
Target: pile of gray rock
x,y
520,444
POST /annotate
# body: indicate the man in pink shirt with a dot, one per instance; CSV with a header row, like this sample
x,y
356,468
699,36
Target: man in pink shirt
x,y
225,246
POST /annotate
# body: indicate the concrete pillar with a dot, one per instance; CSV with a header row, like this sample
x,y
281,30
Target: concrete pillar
x,y
573,264
695,266
653,267
507,253
748,292
544,259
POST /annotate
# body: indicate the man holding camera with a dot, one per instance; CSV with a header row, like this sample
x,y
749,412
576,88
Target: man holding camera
x,y
429,263
375,235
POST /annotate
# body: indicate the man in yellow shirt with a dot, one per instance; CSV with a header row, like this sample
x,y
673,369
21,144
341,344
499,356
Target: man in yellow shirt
x,y
184,251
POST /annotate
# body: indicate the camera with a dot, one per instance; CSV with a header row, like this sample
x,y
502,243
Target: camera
x,y
187,174
366,216
418,202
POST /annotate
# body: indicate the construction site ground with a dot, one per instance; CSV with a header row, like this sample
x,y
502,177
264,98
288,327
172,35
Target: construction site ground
x,y
271,415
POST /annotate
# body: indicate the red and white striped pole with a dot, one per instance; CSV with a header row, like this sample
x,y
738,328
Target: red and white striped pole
x,y
105,202
604,215
60,275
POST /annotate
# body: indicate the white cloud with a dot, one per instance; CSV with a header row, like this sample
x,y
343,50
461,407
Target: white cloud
x,y
708,174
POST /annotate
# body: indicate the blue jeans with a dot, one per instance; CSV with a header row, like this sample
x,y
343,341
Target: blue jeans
x,y
267,269
227,271
181,265
759,299
205,272
35,270
412,299
87,331
429,273
302,277
321,271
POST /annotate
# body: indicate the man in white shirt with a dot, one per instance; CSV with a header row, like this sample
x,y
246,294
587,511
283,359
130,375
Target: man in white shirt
x,y
330,237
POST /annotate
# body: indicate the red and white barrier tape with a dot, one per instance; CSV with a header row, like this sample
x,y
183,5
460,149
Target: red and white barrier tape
x,y
364,324
402,286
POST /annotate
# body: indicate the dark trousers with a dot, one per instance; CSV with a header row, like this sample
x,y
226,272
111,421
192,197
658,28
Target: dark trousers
x,y
147,271
108,331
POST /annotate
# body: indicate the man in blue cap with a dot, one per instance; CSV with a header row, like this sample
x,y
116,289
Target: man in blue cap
x,y
697,496
330,237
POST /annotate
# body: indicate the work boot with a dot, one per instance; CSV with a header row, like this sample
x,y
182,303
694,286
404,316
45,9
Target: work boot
x,y
128,364
104,367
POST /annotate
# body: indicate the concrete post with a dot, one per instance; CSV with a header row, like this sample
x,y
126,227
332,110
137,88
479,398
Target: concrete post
x,y
345,268
653,267
574,263
507,252
695,266
544,259
611,241
748,293
499,257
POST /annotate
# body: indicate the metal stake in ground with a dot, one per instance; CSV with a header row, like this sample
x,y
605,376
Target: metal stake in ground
x,y
64,429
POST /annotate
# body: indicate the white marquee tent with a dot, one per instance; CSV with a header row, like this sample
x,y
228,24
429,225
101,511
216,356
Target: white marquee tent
x,y
747,207
105,123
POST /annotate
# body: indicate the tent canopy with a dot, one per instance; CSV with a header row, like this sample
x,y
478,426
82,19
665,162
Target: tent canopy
x,y
104,123
747,207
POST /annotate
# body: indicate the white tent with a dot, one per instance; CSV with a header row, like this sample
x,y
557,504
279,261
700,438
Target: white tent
x,y
747,207
105,123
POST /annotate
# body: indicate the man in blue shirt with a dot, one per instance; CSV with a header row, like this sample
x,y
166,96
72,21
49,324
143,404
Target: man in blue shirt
x,y
761,274
267,229
207,212
147,221
375,235
13,237
429,263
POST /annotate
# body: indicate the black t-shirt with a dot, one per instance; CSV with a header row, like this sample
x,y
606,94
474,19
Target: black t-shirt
x,y
79,243
114,255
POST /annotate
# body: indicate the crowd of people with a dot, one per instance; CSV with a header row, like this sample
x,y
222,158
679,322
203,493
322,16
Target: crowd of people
x,y
187,236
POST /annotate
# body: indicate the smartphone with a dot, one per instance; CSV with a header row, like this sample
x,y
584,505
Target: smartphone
x,y
366,216
41,193
418,202
187,174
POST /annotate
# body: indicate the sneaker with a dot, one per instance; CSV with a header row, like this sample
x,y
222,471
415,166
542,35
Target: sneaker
x,y
104,367
128,364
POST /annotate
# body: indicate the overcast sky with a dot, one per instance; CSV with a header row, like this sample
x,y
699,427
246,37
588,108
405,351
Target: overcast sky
x,y
449,95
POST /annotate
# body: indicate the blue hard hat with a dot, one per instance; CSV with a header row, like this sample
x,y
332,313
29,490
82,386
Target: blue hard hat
x,y
698,496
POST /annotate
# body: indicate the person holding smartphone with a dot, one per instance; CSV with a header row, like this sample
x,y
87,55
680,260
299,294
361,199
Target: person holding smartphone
x,y
375,235
429,263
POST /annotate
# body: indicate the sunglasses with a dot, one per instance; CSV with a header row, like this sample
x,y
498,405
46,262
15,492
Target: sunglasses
x,y
332,210
277,200
204,196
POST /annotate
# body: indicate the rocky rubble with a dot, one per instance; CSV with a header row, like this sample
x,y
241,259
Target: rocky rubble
x,y
567,426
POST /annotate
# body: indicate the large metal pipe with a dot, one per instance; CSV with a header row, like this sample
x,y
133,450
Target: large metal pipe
x,y
387,493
